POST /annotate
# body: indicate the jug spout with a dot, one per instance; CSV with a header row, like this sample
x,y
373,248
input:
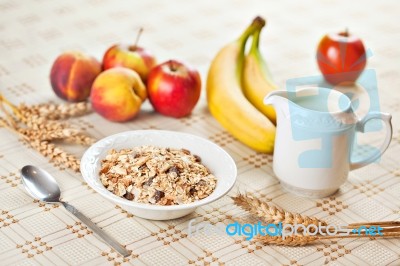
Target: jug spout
x,y
276,98
279,100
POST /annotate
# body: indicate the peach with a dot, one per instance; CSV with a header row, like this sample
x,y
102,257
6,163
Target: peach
x,y
117,94
72,75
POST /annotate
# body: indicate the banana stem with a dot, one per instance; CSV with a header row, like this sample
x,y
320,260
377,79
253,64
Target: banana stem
x,y
256,25
256,41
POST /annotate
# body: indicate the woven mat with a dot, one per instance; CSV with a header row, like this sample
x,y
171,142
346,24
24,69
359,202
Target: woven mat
x,y
33,33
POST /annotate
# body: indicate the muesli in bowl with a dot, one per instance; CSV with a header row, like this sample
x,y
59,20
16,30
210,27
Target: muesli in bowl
x,y
217,172
156,175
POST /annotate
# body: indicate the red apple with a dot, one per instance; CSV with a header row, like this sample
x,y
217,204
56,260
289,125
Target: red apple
x,y
174,88
341,57
130,56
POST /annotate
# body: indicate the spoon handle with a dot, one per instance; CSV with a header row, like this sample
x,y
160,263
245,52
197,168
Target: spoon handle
x,y
107,238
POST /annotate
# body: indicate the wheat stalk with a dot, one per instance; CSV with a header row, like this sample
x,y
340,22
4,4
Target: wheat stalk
x,y
292,241
67,134
42,118
5,123
55,111
302,240
382,224
54,130
11,121
56,155
272,214
39,126
39,129
12,107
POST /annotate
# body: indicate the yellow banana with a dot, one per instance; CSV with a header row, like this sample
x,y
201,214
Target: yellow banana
x,y
227,102
256,80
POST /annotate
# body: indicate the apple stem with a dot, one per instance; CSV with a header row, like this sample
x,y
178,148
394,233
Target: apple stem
x,y
346,32
172,66
138,37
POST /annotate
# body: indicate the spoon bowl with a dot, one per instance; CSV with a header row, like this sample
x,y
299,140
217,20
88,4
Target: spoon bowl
x,y
40,184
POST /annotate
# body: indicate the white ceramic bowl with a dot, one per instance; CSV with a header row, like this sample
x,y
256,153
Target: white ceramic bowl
x,y
213,157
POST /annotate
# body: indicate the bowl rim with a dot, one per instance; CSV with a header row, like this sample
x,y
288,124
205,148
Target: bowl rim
x,y
114,198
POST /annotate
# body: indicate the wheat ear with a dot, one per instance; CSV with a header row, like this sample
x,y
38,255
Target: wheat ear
x,y
272,214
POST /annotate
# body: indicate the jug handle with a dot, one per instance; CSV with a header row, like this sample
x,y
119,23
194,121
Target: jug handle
x,y
360,126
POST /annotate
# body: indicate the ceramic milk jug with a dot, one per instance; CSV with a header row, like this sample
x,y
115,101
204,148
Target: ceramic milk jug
x,y
315,136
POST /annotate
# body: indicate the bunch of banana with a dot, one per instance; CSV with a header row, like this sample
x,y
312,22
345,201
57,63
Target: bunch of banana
x,y
241,110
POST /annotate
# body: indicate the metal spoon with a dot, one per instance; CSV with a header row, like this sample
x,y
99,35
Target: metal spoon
x,y
41,185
